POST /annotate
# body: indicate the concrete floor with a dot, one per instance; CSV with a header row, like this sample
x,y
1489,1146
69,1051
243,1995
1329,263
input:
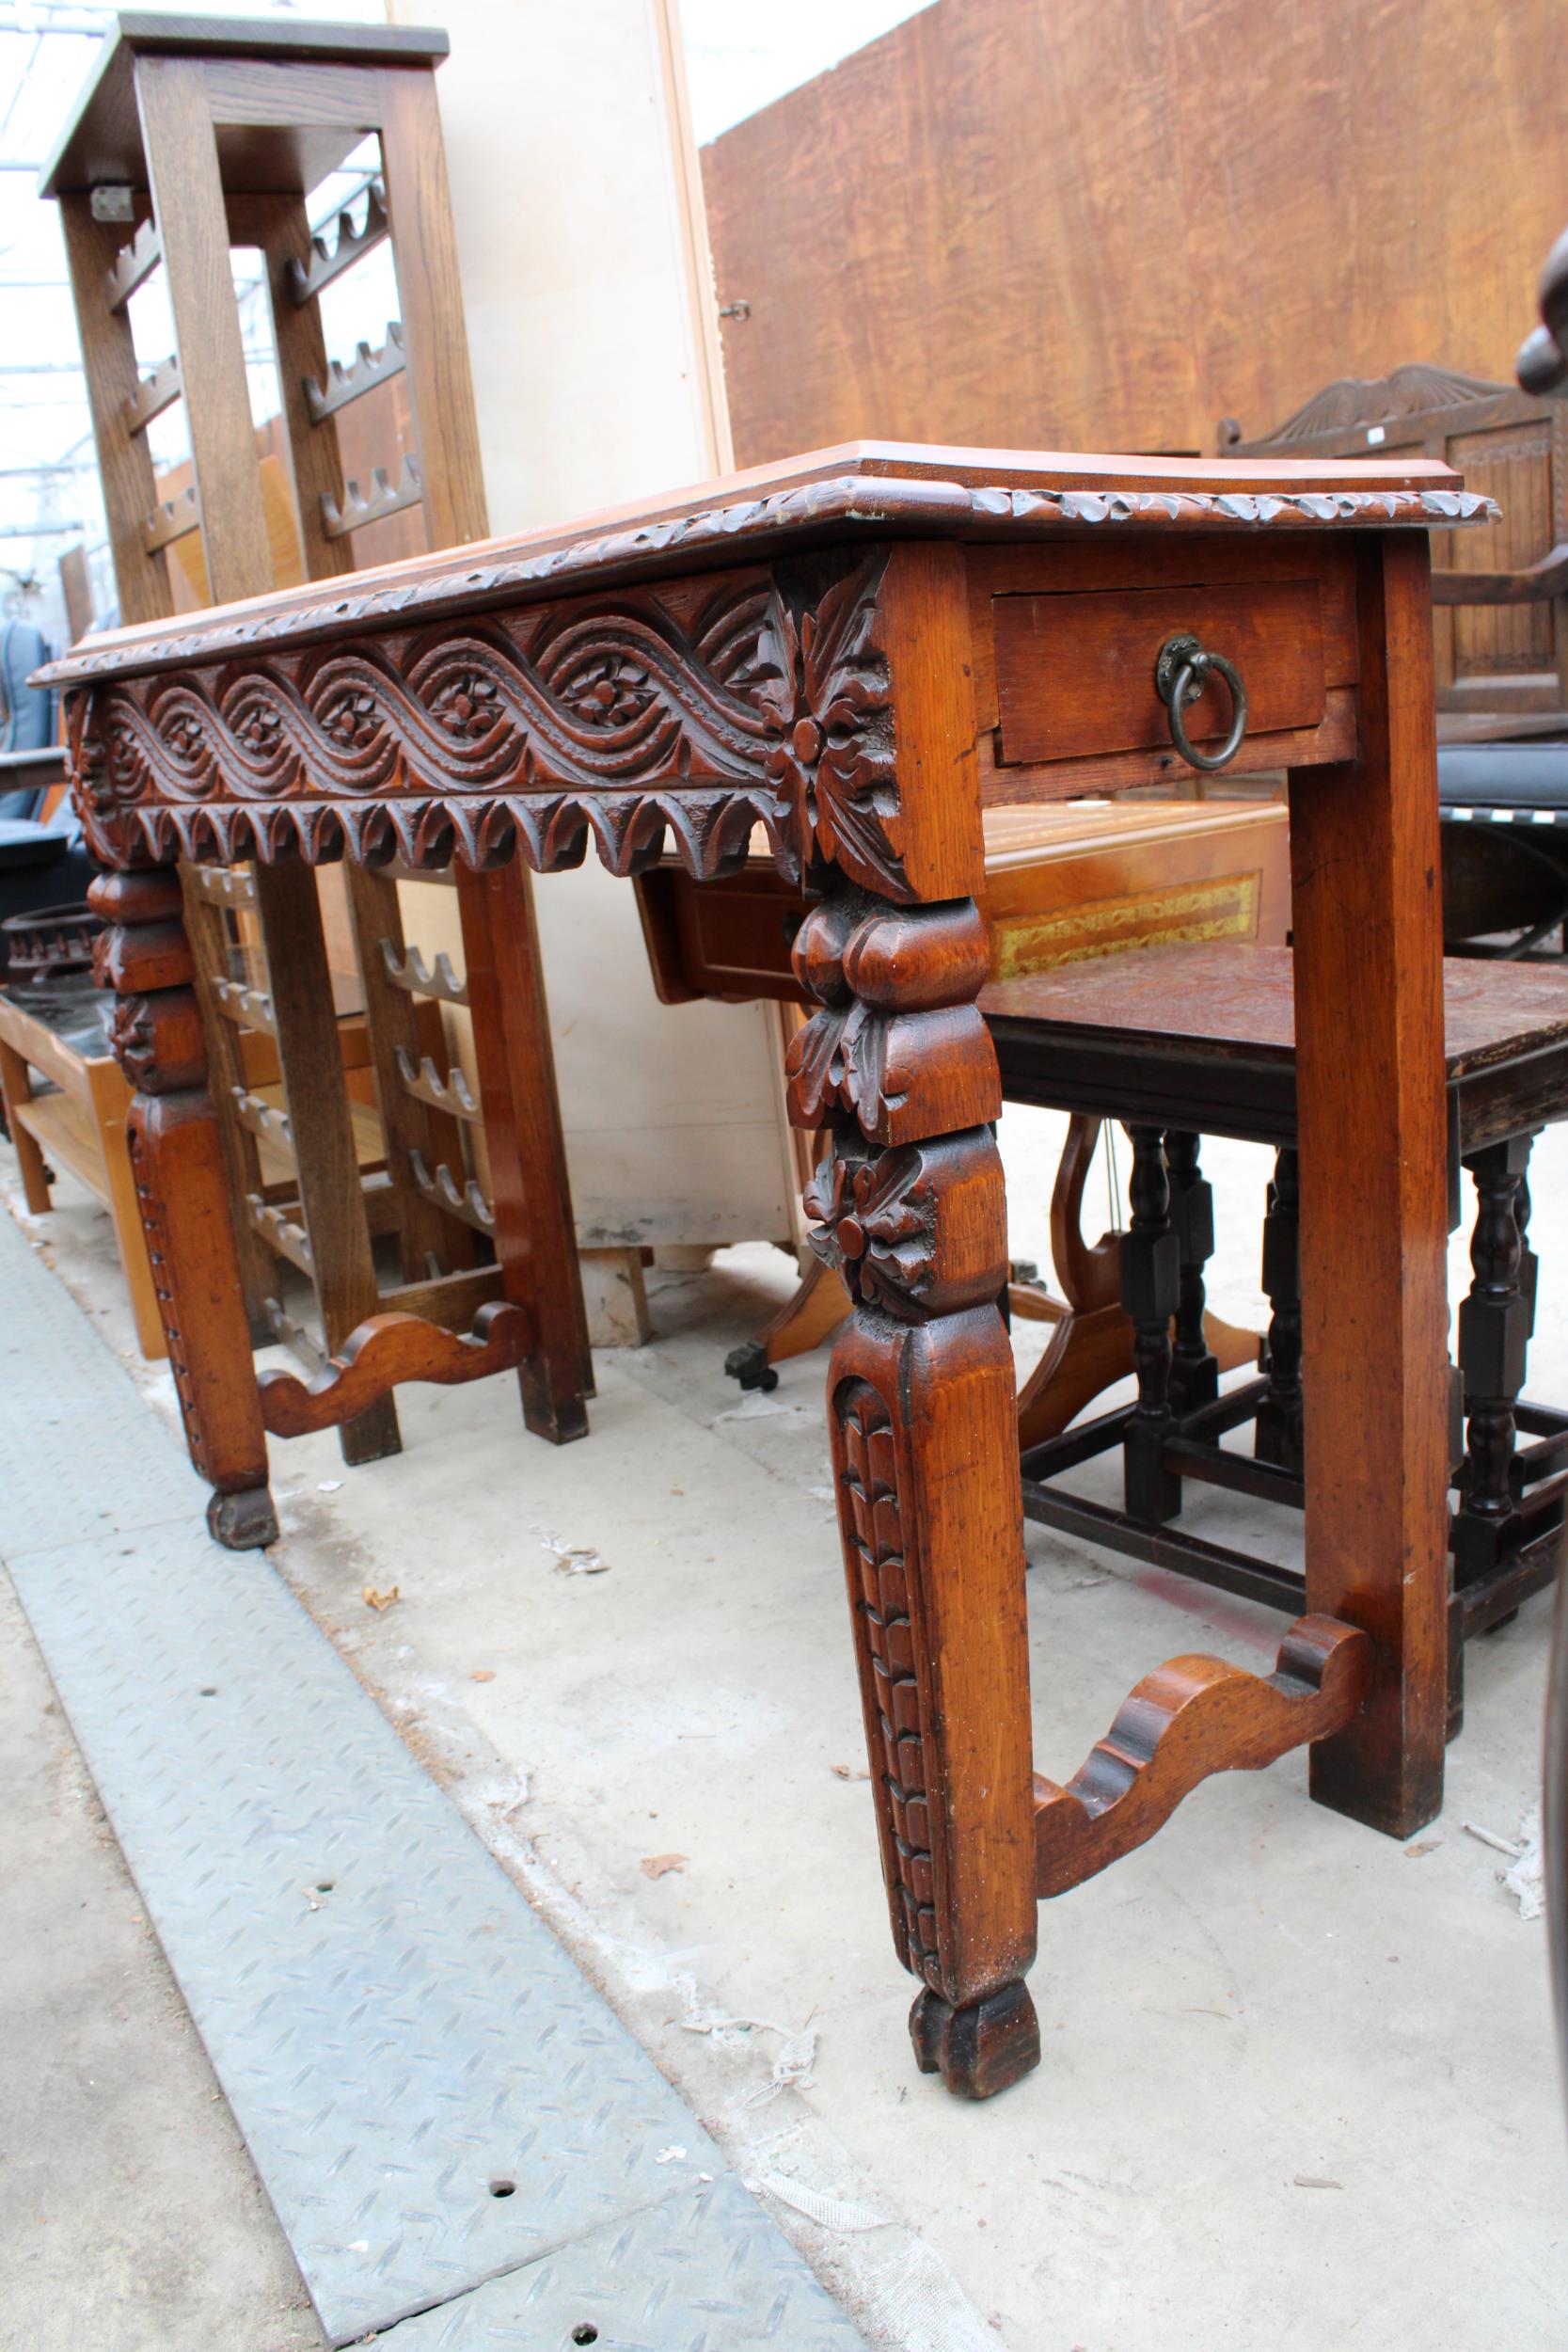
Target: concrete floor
x,y
1298,2089
131,2217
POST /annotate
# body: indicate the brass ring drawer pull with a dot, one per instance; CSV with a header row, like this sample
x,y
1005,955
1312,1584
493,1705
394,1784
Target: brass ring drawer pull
x,y
1181,675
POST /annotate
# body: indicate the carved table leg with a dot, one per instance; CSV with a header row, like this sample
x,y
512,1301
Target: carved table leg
x,y
1151,1292
910,1207
1372,1136
1194,1372
178,1164
1493,1331
1277,1435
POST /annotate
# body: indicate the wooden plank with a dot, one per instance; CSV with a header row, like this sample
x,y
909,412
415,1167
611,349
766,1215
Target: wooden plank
x,y
457,1195
222,1004
246,1007
332,1206
1374,1205
430,1244
358,509
113,377
453,1300
307,275
418,201
171,519
63,1127
283,1234
187,195
284,231
132,265
109,1096
341,386
1112,228
535,1233
153,394
16,1095
222,886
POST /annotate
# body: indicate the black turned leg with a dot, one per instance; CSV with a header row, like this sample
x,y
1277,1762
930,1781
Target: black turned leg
x,y
1493,1332
1195,1374
1151,1292
1278,1435
1530,1265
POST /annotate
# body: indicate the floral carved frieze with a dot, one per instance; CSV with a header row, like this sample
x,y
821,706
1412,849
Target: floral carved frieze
x,y
615,723
874,1222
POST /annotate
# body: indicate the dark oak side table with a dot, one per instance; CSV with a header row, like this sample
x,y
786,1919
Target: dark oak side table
x,y
846,651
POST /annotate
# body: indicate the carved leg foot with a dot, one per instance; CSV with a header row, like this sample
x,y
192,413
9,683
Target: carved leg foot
x,y
909,1208
749,1364
242,1522
558,1418
178,1168
980,2049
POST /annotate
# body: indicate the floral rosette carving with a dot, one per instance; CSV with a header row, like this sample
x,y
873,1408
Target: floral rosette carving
x,y
133,1037
876,1221
106,781
832,703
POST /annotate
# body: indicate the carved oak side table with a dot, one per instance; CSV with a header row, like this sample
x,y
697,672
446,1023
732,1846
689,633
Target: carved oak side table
x,y
849,652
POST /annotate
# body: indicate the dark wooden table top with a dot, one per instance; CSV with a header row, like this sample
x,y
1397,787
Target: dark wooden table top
x,y
1235,998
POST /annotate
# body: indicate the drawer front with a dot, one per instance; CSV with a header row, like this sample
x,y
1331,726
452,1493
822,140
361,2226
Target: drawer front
x,y
1075,673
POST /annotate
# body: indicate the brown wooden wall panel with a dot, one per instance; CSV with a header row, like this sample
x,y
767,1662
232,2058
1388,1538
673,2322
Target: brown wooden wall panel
x,y
1104,224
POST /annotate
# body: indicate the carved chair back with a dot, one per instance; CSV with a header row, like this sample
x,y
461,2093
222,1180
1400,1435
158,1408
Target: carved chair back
x,y
1501,596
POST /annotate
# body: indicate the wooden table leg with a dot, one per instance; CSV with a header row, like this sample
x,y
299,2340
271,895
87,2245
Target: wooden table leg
x,y
909,1206
16,1088
1364,851
535,1231
178,1164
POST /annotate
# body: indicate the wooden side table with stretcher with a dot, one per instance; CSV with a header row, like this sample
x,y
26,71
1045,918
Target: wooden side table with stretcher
x,y
856,650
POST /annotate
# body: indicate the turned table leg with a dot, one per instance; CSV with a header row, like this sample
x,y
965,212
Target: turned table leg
x,y
1372,1135
1494,1333
1278,1429
177,1164
1151,1292
909,1206
1195,1371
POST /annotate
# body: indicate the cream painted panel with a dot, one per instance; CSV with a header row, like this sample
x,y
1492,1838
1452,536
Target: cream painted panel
x,y
585,283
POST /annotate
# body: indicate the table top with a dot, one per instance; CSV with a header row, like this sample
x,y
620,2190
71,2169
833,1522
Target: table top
x,y
101,143
855,491
1235,998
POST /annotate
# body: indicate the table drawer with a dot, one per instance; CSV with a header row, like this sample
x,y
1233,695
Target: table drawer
x,y
1075,673
1067,638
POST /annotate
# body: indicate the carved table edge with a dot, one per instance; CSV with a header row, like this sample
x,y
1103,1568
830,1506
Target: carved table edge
x,y
862,500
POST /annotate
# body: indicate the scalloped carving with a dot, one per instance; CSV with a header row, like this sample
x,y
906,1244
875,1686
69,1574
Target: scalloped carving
x,y
1191,1718
385,1350
617,722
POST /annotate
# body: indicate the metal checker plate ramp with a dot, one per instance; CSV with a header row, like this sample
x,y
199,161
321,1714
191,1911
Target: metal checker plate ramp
x,y
393,2045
